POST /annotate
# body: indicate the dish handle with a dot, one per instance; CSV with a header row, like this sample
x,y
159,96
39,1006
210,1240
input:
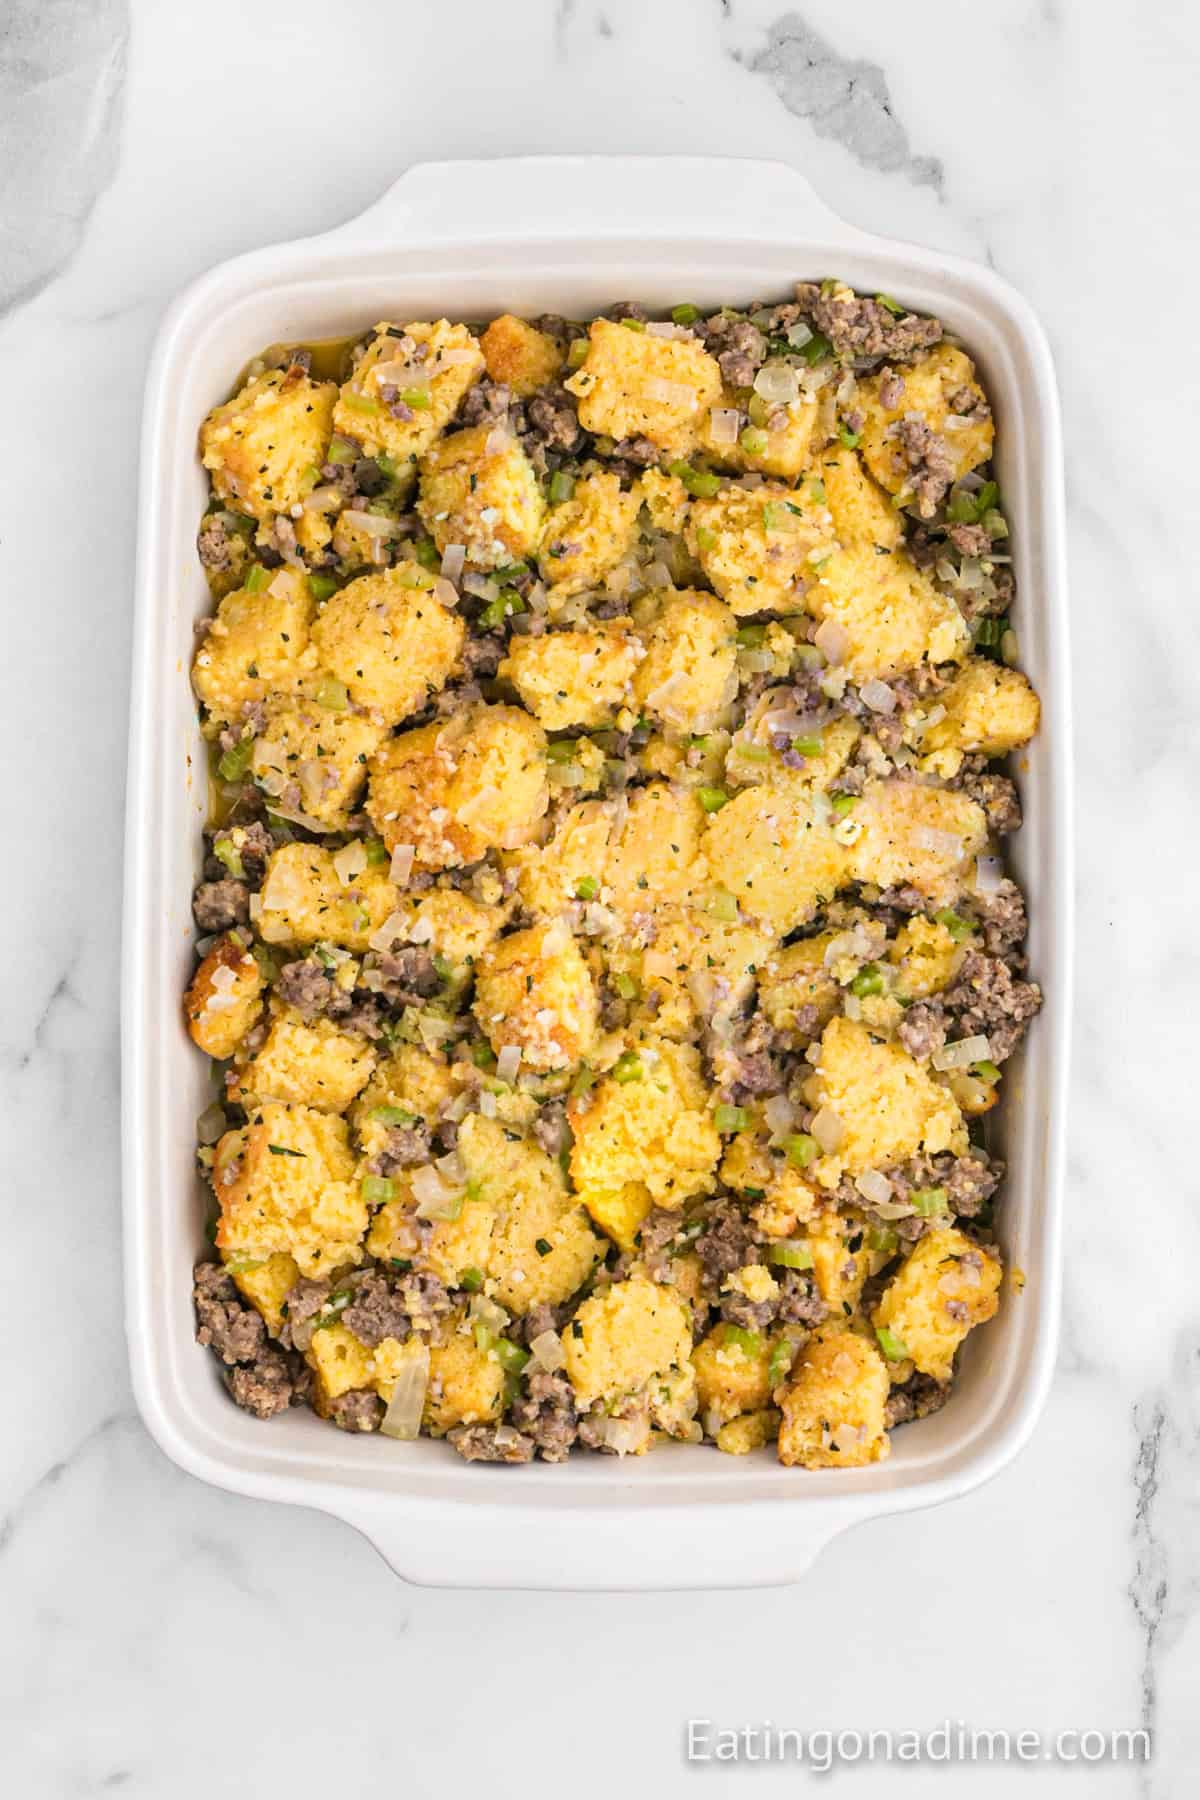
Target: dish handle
x,y
596,197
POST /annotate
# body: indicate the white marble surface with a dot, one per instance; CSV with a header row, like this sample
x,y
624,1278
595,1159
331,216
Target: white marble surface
x,y
160,1636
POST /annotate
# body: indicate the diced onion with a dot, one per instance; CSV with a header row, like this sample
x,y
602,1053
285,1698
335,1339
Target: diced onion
x,y
546,1351
400,867
508,1062
496,441
878,696
350,862
211,1124
393,927
665,689
480,586
421,931
938,843
989,874
778,383
780,1115
843,1367
435,1200
456,358
453,558
962,1053
284,585
726,422
403,1417
664,328
450,1168
874,1186
397,373
625,1436
488,1313
671,393
828,1130
831,640
487,1103
969,1273
323,499
376,525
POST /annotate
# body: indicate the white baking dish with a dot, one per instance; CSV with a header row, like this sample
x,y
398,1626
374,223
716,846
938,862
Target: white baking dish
x,y
568,235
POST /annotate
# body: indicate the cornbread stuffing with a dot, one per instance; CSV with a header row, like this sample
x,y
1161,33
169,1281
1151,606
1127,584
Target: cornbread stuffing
x,y
604,947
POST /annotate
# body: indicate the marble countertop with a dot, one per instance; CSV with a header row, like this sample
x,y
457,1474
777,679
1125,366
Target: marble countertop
x,y
161,1636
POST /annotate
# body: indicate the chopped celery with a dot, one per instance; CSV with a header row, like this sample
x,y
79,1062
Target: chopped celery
x,y
257,579
587,887
891,1345
792,1253
731,1118
801,1149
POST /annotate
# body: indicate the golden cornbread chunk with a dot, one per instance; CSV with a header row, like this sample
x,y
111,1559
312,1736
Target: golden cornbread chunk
x,y
634,385
783,448
466,1382
461,786
926,956
520,356
643,1136
769,849
315,756
411,1081
797,992
478,489
625,1336
838,1270
224,998
542,1247
264,447
430,366
940,392
945,1286
306,1064
586,536
389,640
265,1284
732,1372
687,678
773,726
834,1404
533,991
304,900
445,1247
579,677
696,966
665,499
449,925
890,616
863,515
285,1182
255,646
904,834
752,1164
760,547
653,849
990,710
749,1431
341,1362
887,1104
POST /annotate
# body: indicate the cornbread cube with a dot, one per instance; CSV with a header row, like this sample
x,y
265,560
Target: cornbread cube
x,y
696,965
863,515
796,991
749,1431
926,957
322,751
266,1285
452,926
478,489
264,447
769,719
410,1079
634,385
834,1404
574,677
731,1378
771,851
542,1247
654,849
446,1248
892,616
888,1104
548,875
786,452
534,990
389,640
308,1065
908,834
257,645
624,1337
752,1164
457,788
224,998
644,1134
341,1362
759,549
435,362
838,1270
586,536
285,1182
520,356
305,901
688,677
945,1286
466,1383
941,389
990,710
665,499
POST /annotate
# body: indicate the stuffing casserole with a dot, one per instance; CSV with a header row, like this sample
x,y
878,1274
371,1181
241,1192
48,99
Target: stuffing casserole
x,y
605,944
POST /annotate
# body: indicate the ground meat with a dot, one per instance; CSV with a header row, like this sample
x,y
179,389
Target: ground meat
x,y
1002,917
923,1029
546,1413
988,999
919,1396
255,849
999,799
482,656
862,328
307,986
406,1148
491,1443
486,400
216,544
358,1409
408,976
930,466
551,419
899,900
229,1327
891,388
424,1298
739,347
639,452
969,540
969,1181
626,309
751,1315
538,1319
264,1387
658,1230
304,1302
550,1128
377,1311
250,722
726,1243
218,905
799,1302
352,1013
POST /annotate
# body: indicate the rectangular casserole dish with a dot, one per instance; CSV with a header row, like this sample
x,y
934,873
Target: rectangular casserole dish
x,y
570,235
